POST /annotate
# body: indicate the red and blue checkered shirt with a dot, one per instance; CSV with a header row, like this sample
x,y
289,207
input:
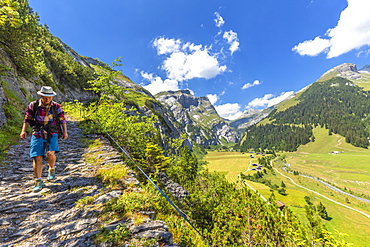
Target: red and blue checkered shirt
x,y
44,115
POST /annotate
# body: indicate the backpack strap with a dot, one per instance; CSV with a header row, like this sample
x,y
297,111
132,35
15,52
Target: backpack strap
x,y
34,124
56,118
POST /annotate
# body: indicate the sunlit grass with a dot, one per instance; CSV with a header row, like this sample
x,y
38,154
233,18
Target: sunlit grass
x,y
314,160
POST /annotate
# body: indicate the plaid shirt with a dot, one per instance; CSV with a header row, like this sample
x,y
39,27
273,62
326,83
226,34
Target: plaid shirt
x,y
44,115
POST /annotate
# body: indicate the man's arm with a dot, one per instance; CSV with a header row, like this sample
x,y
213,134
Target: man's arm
x,y
23,133
65,133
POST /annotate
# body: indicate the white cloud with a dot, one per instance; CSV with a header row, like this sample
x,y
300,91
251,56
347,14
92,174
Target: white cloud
x,y
352,32
219,20
232,39
158,85
248,85
312,47
165,46
186,61
229,111
212,98
268,100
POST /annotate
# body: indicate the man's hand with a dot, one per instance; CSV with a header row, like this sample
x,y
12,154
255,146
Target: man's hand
x,y
65,136
23,135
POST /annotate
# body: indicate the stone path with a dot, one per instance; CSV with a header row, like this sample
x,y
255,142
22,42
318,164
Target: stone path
x,y
50,217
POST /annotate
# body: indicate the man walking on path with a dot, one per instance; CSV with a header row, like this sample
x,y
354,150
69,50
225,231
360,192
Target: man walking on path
x,y
46,118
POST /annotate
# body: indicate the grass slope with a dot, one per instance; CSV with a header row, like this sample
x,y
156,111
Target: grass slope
x,y
350,169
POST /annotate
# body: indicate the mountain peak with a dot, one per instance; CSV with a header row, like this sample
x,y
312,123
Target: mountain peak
x,y
345,70
365,69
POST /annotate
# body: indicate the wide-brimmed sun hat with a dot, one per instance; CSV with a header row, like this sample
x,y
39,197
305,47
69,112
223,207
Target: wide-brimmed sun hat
x,y
46,91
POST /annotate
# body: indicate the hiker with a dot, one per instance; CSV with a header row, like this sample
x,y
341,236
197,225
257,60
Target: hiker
x,y
46,118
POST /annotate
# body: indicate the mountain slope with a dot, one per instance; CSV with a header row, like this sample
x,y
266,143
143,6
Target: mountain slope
x,y
198,118
333,102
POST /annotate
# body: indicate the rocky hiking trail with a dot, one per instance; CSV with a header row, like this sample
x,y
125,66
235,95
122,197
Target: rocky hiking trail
x,y
51,217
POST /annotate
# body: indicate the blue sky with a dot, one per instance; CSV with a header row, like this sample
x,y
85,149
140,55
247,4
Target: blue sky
x,y
242,54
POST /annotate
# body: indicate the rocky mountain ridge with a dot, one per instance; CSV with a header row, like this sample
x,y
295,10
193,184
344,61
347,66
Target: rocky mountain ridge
x,y
197,117
347,70
250,117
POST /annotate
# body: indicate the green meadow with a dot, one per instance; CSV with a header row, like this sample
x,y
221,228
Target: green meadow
x,y
349,169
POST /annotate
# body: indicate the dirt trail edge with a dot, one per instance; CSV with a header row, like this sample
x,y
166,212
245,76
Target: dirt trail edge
x,y
50,217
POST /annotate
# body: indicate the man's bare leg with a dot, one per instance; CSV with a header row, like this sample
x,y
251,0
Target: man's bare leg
x,y
51,162
37,166
51,158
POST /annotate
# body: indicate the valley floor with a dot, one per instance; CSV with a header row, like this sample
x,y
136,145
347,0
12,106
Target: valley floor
x,y
347,215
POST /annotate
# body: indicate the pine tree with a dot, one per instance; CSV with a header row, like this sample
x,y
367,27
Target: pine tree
x,y
321,210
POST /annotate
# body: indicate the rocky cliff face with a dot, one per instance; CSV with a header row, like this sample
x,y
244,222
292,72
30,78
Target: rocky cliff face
x,y
198,118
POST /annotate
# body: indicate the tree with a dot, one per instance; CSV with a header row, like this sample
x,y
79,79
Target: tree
x,y
321,210
184,167
155,160
308,200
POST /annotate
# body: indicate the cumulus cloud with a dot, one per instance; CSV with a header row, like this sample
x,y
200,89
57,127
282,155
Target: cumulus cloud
x,y
269,100
219,20
165,46
232,39
248,85
158,85
312,47
229,111
186,61
213,98
352,32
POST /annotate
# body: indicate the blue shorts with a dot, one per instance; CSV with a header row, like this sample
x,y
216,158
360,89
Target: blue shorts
x,y
38,146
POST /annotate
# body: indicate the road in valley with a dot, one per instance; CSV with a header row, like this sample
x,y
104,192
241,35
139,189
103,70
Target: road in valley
x,y
317,193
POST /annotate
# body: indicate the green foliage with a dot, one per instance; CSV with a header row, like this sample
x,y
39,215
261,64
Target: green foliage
x,y
64,67
131,202
85,201
10,14
336,104
276,137
117,236
155,160
35,52
184,168
110,114
112,173
321,210
14,117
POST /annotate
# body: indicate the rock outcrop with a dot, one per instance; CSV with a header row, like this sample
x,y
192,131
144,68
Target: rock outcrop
x,y
346,70
197,117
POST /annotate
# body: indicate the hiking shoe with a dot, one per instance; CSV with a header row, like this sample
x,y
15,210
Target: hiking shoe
x,y
38,185
51,174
